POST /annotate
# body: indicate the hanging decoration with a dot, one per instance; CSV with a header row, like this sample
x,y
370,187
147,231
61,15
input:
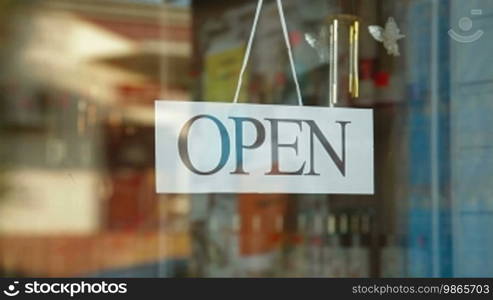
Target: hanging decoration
x,y
388,36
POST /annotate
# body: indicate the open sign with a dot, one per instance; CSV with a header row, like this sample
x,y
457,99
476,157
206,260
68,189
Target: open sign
x,y
243,148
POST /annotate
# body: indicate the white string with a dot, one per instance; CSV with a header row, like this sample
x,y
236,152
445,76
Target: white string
x,y
290,51
288,46
248,50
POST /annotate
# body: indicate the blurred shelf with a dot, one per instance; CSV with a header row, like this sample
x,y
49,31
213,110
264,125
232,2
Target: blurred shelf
x,y
61,256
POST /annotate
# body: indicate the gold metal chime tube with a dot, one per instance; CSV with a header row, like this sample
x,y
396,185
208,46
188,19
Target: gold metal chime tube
x,y
353,58
343,53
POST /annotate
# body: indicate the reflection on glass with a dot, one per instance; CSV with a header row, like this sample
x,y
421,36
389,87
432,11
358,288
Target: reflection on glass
x,y
78,81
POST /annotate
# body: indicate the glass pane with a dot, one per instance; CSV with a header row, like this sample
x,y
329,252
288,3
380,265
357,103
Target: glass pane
x,y
78,84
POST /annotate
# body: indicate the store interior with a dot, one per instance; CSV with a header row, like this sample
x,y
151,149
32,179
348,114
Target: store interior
x,y
78,83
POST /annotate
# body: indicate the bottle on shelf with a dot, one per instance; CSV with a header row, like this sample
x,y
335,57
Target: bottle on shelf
x,y
358,255
335,265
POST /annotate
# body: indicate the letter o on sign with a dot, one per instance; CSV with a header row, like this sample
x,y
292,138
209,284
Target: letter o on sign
x,y
183,145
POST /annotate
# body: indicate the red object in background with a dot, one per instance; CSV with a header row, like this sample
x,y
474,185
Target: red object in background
x,y
366,69
296,38
368,72
280,79
268,209
133,204
130,158
143,94
382,79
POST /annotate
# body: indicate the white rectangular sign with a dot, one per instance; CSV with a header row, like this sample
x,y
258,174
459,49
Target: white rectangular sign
x,y
204,147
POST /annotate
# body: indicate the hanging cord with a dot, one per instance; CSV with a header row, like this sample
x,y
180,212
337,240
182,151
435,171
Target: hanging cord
x,y
249,49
